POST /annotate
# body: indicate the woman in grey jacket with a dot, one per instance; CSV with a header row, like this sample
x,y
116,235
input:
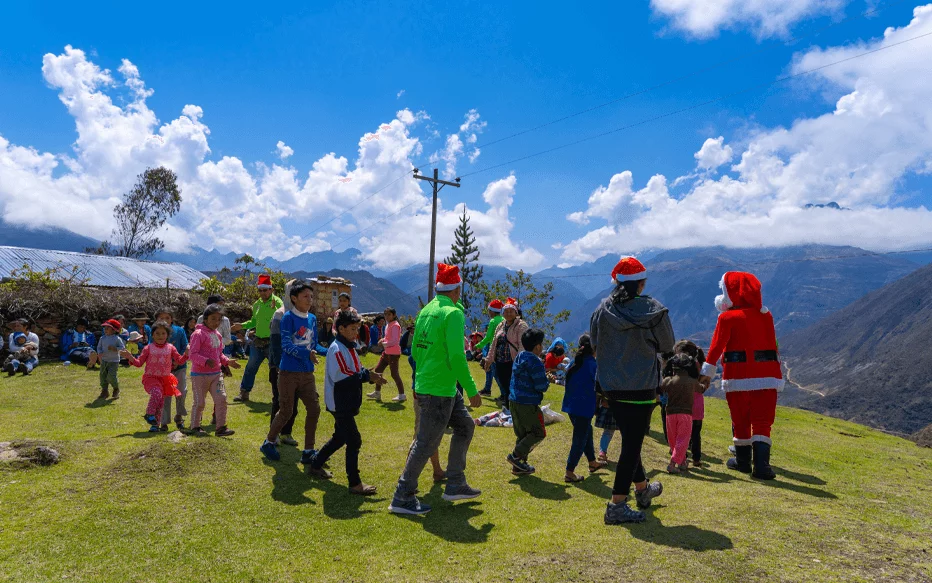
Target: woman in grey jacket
x,y
628,332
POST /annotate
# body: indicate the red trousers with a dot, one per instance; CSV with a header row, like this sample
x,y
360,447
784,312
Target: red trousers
x,y
752,414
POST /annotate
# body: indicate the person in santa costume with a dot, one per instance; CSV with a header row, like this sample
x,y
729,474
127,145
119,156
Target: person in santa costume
x,y
746,343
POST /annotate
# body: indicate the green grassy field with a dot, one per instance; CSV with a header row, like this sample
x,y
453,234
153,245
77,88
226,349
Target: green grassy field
x,y
850,504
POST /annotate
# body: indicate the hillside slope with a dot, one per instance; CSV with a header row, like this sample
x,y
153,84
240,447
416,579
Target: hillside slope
x,y
802,284
870,362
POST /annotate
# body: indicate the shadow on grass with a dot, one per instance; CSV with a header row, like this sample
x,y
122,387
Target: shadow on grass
x,y
289,483
594,485
98,403
799,477
255,406
688,536
540,489
391,406
779,484
141,434
451,521
338,502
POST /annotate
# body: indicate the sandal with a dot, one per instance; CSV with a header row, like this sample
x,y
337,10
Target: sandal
x,y
574,479
596,466
363,490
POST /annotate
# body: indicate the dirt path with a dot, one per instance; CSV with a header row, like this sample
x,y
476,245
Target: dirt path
x,y
799,386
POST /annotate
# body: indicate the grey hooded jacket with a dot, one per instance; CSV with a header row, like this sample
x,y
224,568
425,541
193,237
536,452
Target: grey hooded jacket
x,y
628,337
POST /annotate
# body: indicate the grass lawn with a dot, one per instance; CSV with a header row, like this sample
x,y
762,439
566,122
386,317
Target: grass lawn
x,y
850,504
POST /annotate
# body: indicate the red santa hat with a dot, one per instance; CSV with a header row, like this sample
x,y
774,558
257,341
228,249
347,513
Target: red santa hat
x,y
264,281
448,277
112,324
510,303
629,269
740,290
496,306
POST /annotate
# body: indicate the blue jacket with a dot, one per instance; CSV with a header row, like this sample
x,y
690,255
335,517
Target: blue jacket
x,y
70,337
375,334
145,330
579,398
528,379
299,339
179,339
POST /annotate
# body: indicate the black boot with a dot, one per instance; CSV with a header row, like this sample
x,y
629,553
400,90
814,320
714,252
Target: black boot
x,y
762,469
742,460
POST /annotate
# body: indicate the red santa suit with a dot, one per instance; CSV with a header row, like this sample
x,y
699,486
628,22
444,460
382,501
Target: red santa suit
x,y
746,343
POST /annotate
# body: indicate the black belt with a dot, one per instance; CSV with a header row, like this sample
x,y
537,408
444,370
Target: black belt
x,y
759,356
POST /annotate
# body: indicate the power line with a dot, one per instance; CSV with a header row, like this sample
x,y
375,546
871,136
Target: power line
x,y
626,97
697,105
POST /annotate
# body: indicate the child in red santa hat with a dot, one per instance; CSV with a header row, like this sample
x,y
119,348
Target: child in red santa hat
x,y
746,343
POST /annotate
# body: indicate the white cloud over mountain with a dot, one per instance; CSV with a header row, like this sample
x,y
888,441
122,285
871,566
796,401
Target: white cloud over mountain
x,y
229,204
766,18
878,134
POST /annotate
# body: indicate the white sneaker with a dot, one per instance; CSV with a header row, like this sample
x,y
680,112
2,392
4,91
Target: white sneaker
x,y
400,399
377,395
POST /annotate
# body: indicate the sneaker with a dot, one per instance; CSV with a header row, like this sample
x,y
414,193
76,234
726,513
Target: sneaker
x,y
672,468
645,496
318,472
197,432
462,492
154,429
163,428
519,466
683,467
287,439
223,431
116,393
413,506
307,456
376,395
150,419
243,397
270,451
400,399
621,513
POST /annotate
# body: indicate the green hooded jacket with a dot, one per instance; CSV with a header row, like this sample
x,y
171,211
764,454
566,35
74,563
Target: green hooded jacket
x,y
439,351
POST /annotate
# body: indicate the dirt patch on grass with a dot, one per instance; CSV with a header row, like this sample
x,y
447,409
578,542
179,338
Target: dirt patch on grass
x,y
164,458
20,455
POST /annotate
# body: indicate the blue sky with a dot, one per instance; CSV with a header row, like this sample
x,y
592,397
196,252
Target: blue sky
x,y
319,78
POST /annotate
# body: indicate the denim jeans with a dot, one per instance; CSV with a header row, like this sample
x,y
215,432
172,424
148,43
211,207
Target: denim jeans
x,y
256,356
582,442
488,379
437,413
29,363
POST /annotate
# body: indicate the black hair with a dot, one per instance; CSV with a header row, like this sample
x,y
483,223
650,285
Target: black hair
x,y
584,351
298,287
347,296
163,325
82,322
531,338
683,363
558,350
347,318
700,358
211,310
625,291
391,311
214,299
25,323
686,347
378,318
120,318
168,311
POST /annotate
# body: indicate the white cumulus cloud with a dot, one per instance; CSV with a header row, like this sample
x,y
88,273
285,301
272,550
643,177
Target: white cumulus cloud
x,y
766,18
713,153
875,134
282,151
461,143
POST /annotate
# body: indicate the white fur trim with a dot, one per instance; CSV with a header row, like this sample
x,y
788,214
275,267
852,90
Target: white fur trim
x,y
633,277
495,310
758,384
264,286
708,369
764,310
761,438
737,441
445,287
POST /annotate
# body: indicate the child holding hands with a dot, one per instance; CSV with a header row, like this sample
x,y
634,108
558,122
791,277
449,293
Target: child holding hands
x,y
207,360
159,357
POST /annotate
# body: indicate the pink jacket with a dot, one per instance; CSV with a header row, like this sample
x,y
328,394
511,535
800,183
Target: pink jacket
x,y
392,340
206,344
158,359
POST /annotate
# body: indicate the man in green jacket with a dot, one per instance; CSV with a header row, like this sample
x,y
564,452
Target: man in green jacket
x,y
262,312
495,313
440,355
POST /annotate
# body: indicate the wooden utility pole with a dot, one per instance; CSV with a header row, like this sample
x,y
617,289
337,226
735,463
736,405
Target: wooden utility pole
x,y
433,225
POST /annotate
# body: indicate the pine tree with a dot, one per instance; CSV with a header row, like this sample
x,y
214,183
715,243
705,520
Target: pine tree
x,y
465,254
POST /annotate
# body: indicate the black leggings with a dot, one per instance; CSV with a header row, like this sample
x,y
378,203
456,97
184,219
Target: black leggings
x,y
503,376
695,442
632,421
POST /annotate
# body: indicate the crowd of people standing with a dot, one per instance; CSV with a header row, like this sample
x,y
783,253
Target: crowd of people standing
x,y
626,364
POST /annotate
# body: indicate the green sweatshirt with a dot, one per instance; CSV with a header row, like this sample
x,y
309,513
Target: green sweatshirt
x,y
490,332
262,313
438,350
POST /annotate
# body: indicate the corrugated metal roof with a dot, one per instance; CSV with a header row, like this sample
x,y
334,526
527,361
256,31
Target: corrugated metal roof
x,y
101,270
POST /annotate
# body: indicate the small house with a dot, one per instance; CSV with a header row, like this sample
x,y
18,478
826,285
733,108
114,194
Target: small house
x,y
327,292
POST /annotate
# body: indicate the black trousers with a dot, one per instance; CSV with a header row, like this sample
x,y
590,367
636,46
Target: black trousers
x,y
345,433
695,441
503,376
632,421
273,380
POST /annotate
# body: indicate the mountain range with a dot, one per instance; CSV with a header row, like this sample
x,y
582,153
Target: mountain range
x,y
868,362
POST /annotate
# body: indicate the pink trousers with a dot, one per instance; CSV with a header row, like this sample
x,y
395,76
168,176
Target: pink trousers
x,y
679,430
